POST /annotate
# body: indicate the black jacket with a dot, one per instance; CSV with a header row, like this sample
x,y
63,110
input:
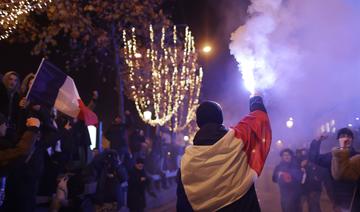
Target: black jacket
x,y
116,134
209,134
136,190
342,190
315,175
289,184
9,105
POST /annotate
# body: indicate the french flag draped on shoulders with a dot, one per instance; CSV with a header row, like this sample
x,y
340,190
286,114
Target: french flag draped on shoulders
x,y
215,176
53,88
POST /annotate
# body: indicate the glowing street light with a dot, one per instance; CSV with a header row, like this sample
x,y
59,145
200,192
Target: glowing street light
x,y
147,115
206,49
186,138
147,118
290,123
357,118
350,125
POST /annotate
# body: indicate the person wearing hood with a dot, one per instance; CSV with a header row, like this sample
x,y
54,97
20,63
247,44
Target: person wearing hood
x,y
24,105
9,97
217,173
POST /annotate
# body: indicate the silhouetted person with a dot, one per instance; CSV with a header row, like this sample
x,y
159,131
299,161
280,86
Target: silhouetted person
x,y
9,97
218,171
342,190
288,176
138,182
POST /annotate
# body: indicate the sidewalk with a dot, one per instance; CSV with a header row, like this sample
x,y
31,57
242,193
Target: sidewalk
x,y
164,202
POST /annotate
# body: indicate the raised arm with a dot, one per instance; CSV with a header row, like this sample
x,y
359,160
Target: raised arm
x,y
255,131
323,160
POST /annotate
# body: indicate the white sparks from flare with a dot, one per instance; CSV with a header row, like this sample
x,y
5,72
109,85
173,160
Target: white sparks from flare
x,y
251,48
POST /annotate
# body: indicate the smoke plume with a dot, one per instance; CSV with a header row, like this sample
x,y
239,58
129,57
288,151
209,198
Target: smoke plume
x,y
305,56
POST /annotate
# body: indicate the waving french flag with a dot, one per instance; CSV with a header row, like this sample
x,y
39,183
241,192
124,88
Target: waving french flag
x,y
53,88
216,176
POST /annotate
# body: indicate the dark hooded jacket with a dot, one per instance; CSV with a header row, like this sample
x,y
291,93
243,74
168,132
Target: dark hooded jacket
x,y
9,105
342,190
209,134
290,185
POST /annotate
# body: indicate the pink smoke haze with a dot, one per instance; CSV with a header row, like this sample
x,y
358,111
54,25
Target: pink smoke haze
x,y
305,56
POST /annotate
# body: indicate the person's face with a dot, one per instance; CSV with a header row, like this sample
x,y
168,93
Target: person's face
x,y
345,140
286,157
117,120
3,128
141,132
31,82
139,166
11,82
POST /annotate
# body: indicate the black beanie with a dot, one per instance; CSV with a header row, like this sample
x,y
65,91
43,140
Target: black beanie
x,y
140,160
209,112
345,131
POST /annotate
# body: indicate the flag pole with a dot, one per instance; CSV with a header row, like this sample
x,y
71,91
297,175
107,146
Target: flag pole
x,y
42,61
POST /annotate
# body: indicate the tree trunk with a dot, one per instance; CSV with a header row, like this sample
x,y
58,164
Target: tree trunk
x,y
173,134
173,137
120,82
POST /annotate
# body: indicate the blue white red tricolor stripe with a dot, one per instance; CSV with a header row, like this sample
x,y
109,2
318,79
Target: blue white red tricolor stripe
x,y
217,175
53,88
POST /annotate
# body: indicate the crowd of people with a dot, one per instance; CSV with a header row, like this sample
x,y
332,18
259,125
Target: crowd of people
x,y
46,162
227,162
302,175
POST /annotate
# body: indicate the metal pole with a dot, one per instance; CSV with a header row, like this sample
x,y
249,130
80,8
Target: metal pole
x,y
99,136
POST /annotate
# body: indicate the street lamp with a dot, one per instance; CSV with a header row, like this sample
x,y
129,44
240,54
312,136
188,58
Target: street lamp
x,y
147,118
206,49
290,123
147,115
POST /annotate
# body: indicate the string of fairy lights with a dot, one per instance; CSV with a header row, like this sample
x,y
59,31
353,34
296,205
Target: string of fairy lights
x,y
187,108
164,76
12,10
